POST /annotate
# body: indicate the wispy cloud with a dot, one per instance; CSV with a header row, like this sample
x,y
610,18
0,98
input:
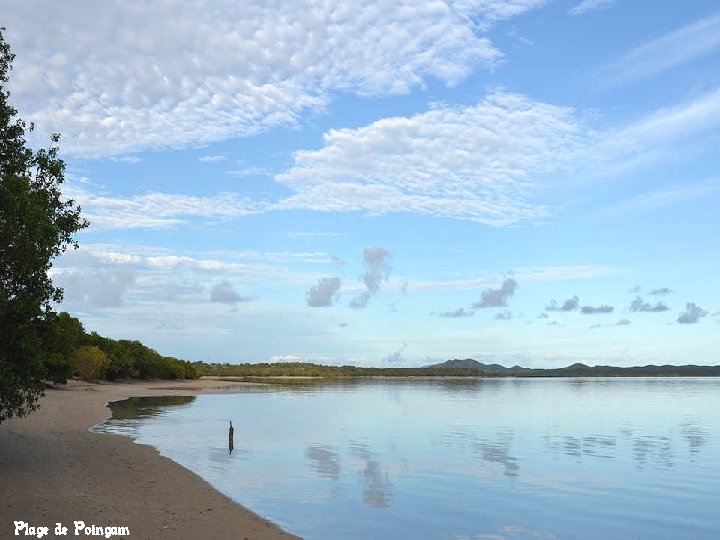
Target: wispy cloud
x,y
457,313
312,234
212,158
662,291
589,310
160,210
548,273
658,199
591,5
669,50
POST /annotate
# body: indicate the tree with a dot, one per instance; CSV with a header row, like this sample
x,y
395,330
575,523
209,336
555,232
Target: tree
x,y
36,225
62,335
91,362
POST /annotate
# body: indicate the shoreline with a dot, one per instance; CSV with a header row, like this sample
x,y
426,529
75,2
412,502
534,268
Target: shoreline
x,y
55,470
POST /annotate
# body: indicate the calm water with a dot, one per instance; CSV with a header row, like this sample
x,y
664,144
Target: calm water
x,y
483,459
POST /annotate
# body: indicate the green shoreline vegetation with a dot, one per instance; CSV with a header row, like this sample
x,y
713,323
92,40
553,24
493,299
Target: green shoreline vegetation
x,y
451,368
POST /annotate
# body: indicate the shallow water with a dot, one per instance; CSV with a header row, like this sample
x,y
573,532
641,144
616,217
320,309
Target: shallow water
x,y
460,459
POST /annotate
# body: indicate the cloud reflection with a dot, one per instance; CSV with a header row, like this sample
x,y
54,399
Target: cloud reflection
x,y
498,451
324,461
378,486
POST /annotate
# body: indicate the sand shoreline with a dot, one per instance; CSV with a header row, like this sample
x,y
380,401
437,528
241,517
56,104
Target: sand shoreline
x,y
53,469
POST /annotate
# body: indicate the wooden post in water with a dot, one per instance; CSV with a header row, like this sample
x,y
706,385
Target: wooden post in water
x,y
231,431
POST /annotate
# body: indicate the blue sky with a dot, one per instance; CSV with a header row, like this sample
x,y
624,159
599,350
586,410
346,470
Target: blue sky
x,y
526,182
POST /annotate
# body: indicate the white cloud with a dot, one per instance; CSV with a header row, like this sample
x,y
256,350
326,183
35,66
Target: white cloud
x,y
682,131
548,273
212,158
475,162
377,266
324,293
486,12
116,77
159,210
95,287
669,50
225,293
158,272
312,234
591,5
692,314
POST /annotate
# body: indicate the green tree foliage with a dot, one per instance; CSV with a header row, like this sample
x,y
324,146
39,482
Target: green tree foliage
x,y
121,360
63,334
91,362
36,225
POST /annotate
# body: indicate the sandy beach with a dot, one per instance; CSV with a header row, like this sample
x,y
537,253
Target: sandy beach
x,y
53,470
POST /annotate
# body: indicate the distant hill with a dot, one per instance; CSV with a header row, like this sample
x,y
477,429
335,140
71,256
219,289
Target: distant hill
x,y
578,370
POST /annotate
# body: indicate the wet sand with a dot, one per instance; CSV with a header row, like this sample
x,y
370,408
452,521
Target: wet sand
x,y
52,469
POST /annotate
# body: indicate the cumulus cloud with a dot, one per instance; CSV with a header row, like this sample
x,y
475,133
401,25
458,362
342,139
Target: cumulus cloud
x,y
692,314
639,305
219,69
377,265
467,162
395,357
503,316
497,297
224,293
571,304
324,293
623,322
456,314
596,309
591,5
543,315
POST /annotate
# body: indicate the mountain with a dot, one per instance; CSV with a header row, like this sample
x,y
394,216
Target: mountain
x,y
579,370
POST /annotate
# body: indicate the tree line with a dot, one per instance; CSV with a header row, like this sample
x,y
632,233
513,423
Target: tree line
x,y
71,352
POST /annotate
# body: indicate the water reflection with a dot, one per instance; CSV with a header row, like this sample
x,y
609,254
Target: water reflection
x,y
325,462
498,451
695,436
457,458
147,406
378,487
654,449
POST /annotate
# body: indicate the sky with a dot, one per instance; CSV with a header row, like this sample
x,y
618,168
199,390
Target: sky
x,y
386,183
